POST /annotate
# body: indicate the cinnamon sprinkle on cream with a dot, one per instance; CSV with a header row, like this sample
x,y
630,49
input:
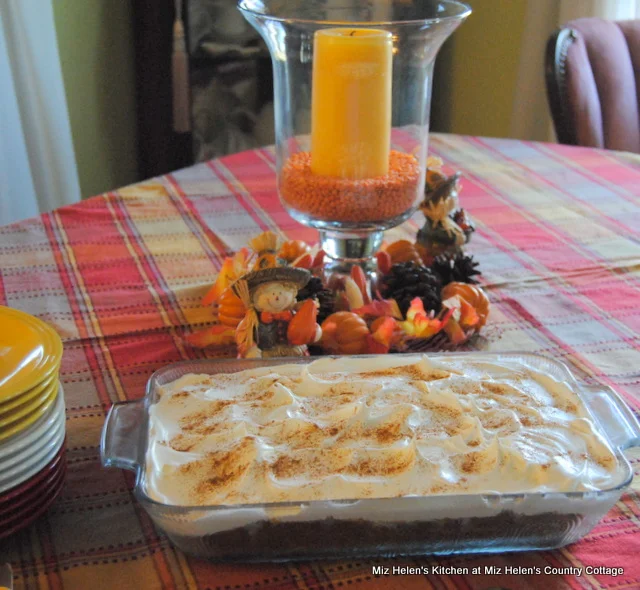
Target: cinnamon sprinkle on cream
x,y
384,427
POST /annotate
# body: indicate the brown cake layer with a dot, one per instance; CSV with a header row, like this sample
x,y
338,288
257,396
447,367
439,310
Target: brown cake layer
x,y
332,538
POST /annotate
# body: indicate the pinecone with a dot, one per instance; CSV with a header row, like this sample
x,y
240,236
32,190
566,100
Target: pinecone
x,y
408,280
459,268
326,298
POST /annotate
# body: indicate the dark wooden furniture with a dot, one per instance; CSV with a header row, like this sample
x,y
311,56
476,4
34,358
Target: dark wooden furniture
x,y
160,149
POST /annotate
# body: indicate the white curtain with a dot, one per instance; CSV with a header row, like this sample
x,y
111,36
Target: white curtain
x,y
530,116
37,162
609,9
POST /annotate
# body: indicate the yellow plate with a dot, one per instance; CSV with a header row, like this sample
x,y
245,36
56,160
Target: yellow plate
x,y
26,409
30,351
29,419
28,395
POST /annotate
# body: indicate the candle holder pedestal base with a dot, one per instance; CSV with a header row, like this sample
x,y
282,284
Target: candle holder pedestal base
x,y
343,250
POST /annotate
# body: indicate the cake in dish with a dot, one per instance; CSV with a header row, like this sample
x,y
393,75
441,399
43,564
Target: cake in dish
x,y
371,428
254,460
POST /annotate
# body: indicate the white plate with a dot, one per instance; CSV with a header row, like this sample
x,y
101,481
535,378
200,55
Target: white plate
x,y
25,453
21,473
39,428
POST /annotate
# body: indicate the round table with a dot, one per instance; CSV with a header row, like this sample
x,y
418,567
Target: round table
x,y
120,276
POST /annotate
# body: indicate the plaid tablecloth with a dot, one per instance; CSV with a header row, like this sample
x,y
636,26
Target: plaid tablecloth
x,y
120,276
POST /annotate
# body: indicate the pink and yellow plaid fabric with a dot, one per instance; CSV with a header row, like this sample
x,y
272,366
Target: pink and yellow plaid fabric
x,y
120,277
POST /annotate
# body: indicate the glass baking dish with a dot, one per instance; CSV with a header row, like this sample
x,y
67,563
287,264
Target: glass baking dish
x,y
437,524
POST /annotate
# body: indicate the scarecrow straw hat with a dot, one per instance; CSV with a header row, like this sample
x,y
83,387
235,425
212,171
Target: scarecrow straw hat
x,y
283,274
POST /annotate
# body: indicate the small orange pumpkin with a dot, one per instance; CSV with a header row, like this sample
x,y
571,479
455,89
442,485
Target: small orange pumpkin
x,y
403,251
344,332
230,309
293,249
473,295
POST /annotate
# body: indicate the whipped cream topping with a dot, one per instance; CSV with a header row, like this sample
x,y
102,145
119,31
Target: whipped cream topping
x,y
376,427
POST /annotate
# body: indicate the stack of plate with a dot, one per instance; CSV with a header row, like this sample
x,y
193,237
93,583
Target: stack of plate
x,y
32,419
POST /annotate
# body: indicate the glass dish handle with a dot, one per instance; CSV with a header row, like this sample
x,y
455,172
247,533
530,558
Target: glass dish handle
x,y
121,435
618,420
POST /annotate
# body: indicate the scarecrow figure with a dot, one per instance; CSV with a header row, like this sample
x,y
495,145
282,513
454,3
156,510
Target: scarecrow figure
x,y
272,327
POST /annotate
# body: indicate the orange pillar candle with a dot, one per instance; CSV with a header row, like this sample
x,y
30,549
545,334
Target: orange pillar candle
x,y
351,103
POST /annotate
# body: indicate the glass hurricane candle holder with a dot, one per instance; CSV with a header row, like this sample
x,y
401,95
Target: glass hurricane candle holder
x,y
352,87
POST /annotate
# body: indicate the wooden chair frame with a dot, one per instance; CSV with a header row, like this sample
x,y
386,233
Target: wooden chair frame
x,y
556,83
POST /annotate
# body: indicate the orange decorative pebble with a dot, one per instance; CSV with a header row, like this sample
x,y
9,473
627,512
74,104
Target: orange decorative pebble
x,y
332,198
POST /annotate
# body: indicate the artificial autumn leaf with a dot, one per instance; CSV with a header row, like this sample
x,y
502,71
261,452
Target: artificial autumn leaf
x,y
453,303
360,279
447,314
303,261
384,262
380,308
318,259
384,333
375,347
216,335
396,337
418,324
232,269
454,331
222,282
415,308
468,315
427,327
353,293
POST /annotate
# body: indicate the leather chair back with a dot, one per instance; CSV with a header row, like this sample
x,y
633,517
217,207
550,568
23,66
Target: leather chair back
x,y
592,70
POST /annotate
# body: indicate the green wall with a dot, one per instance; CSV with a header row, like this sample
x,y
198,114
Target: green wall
x,y
473,89
477,69
95,40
